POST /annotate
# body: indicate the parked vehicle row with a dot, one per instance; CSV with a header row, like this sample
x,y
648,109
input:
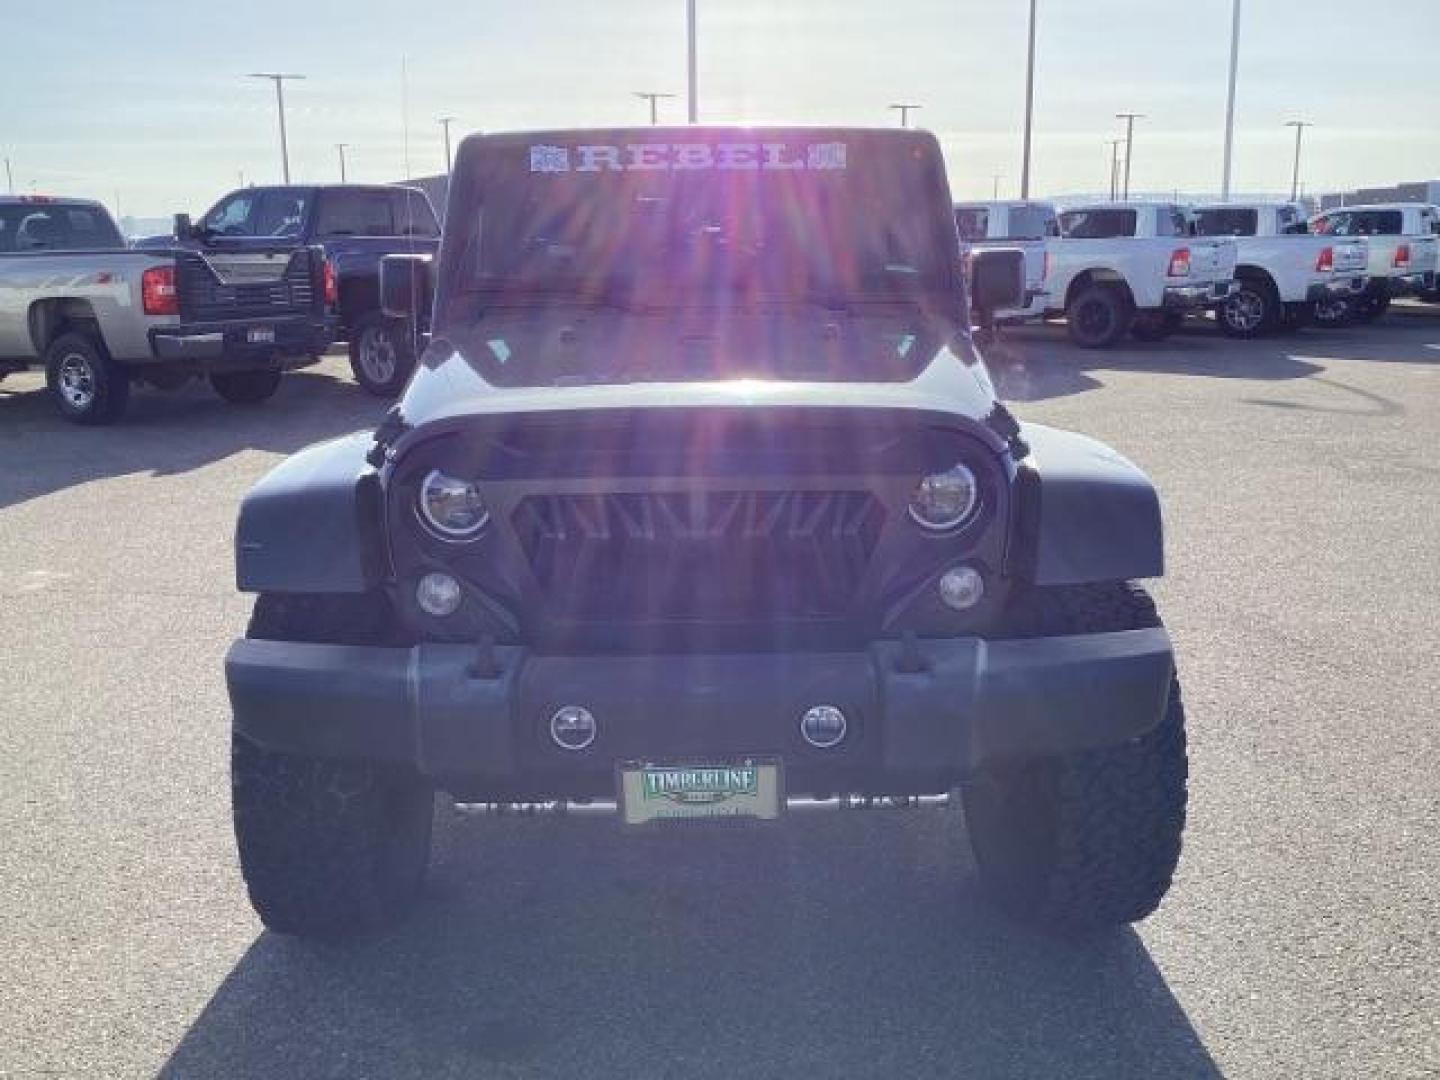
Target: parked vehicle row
x,y
1139,267
262,283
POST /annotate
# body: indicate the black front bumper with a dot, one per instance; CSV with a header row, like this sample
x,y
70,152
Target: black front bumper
x,y
211,345
971,702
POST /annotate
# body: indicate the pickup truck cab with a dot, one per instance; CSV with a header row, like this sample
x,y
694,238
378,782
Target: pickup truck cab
x,y
1023,225
1133,266
99,315
1284,277
350,226
1403,249
700,507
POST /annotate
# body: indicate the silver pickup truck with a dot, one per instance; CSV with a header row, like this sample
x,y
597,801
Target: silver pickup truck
x,y
98,315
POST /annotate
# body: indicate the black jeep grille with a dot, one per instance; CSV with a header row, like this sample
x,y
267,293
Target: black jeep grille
x,y
739,555
203,297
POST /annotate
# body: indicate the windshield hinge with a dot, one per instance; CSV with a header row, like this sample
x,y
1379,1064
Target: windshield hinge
x,y
1002,422
391,428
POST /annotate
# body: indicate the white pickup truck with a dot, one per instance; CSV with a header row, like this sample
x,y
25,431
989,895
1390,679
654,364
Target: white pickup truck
x,y
1027,226
98,315
1403,249
1284,276
1133,266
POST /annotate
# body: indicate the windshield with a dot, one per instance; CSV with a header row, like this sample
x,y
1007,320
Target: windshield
x,y
736,218
1226,221
259,212
1099,224
38,227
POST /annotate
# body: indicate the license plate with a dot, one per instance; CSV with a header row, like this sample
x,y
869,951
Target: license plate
x,y
660,791
260,335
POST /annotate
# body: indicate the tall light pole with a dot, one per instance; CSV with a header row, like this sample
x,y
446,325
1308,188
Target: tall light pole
x,y
652,97
1129,118
9,177
1029,107
1299,126
445,122
278,78
1230,101
1114,145
995,187
694,103
904,110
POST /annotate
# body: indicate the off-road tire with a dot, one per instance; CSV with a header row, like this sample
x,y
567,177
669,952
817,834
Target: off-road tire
x,y
1091,839
382,355
246,387
1251,311
1098,316
87,386
328,848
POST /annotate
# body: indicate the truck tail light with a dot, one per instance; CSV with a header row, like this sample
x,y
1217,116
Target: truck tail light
x,y
329,284
1325,261
1402,257
1179,263
157,291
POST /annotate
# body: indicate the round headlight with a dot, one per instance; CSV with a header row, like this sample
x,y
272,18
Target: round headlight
x,y
945,500
452,508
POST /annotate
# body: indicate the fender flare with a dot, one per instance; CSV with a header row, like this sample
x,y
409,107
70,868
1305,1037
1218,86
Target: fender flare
x,y
1084,513
314,523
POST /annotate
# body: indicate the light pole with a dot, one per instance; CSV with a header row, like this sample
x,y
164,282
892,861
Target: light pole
x,y
445,122
1114,145
1029,107
1299,126
694,102
904,110
278,78
9,177
652,97
1129,118
1230,101
340,147
995,187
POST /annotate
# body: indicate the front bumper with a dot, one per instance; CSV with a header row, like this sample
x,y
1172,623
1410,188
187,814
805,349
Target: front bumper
x,y
221,344
1337,288
914,727
1188,297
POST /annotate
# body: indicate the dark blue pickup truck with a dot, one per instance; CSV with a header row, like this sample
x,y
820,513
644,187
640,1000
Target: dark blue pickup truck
x,y
350,226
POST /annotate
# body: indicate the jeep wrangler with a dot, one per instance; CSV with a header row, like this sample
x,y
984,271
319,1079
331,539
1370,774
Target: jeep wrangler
x,y
700,505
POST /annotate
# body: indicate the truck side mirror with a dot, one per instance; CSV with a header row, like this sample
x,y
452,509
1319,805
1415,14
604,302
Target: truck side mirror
x,y
405,286
183,229
997,282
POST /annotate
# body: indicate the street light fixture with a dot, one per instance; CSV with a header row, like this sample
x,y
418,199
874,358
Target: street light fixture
x,y
1230,101
445,122
1299,126
1129,118
652,97
278,78
340,147
904,110
1114,145
691,74
1029,107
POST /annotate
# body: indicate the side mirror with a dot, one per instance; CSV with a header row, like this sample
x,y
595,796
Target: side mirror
x,y
406,288
997,282
184,230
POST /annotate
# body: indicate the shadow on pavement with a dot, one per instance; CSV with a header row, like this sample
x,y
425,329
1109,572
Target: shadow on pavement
x,y
847,945
163,434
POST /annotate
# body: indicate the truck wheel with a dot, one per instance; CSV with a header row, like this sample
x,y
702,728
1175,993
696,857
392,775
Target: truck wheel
x,y
246,387
87,386
1090,839
1370,307
1333,314
1150,326
1098,317
1251,310
328,848
381,355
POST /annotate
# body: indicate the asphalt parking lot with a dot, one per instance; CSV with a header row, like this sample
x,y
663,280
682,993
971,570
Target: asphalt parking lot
x,y
1302,495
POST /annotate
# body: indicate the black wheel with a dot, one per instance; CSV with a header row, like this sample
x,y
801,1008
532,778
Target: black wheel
x,y
381,354
1153,326
1098,317
1371,306
1090,839
246,387
1252,310
87,386
328,848
1334,313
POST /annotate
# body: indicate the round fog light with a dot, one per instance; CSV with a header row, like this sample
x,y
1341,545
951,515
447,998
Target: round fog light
x,y
573,727
438,594
961,587
823,726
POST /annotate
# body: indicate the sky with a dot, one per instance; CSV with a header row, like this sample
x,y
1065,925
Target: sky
x,y
145,103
